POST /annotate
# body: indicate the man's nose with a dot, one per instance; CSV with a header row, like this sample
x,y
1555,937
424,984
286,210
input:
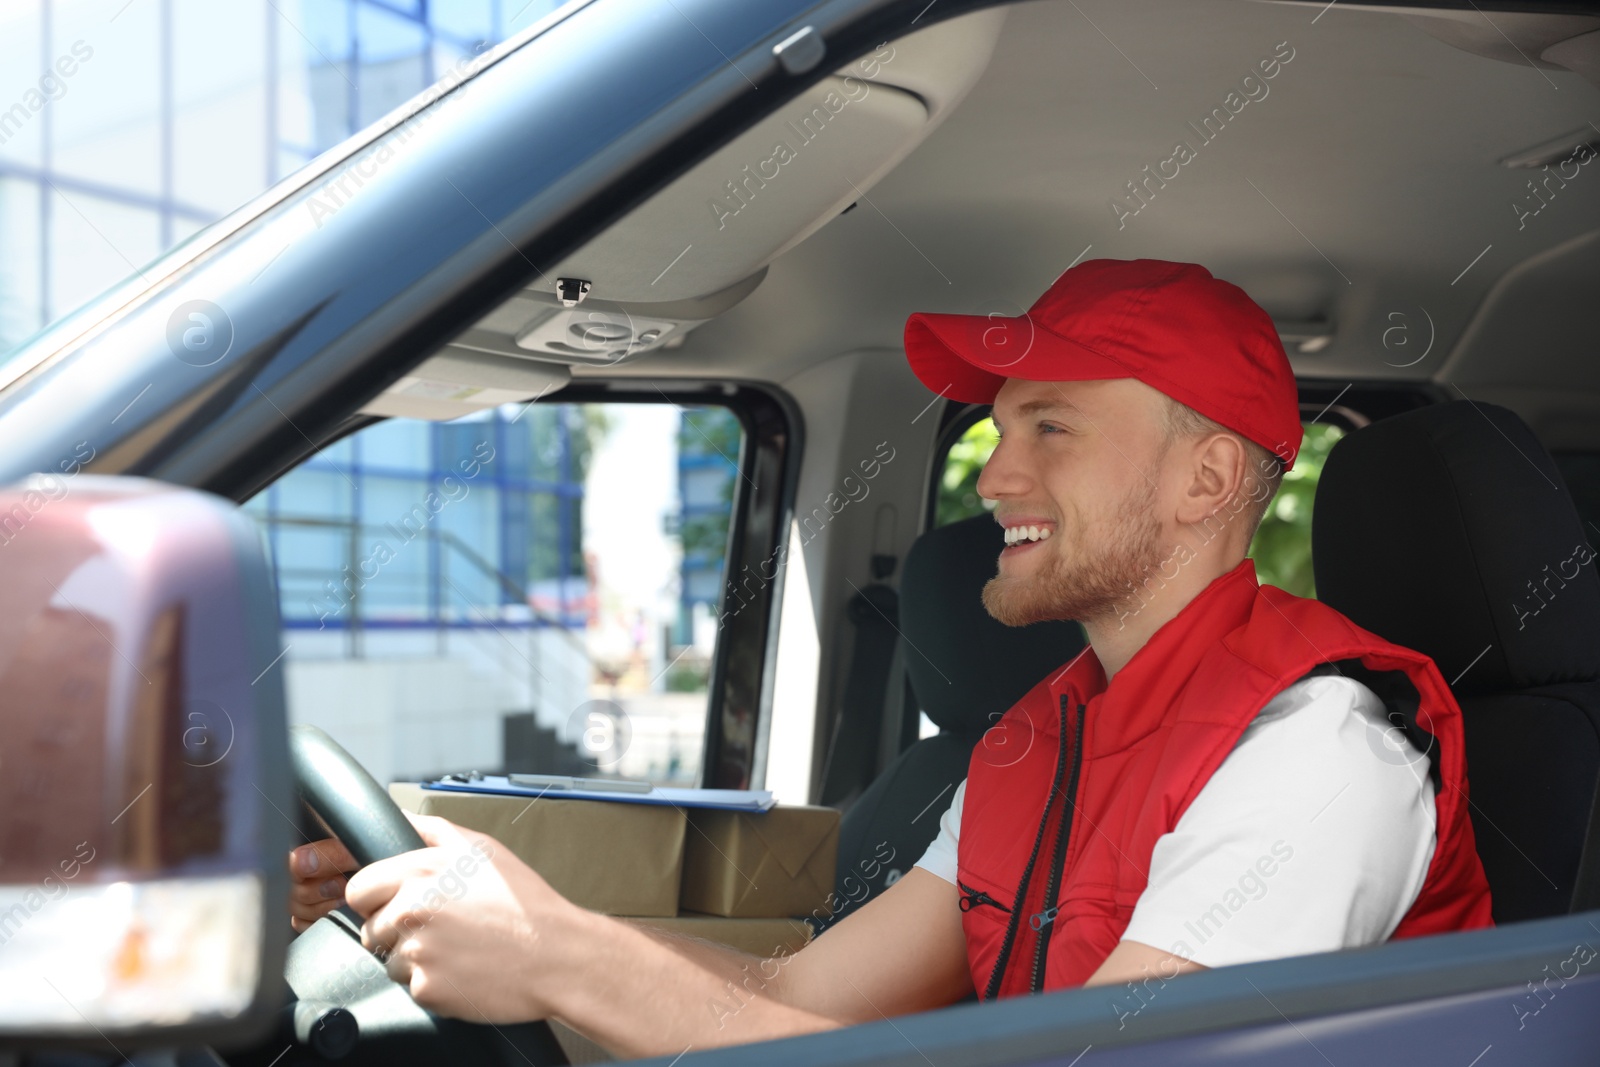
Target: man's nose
x,y
1004,475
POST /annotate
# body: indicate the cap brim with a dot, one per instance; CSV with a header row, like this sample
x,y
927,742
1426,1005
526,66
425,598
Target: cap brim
x,y
969,357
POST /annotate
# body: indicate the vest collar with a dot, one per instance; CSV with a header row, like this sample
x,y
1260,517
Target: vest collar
x,y
1141,695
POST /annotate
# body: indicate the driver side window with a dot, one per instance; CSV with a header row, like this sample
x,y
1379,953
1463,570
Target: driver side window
x,y
528,589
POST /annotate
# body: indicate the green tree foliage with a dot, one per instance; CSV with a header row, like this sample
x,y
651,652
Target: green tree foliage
x,y
710,432
958,486
593,423
1281,548
559,441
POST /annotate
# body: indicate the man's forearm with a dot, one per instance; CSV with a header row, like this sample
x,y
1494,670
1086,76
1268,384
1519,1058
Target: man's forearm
x,y
643,992
756,975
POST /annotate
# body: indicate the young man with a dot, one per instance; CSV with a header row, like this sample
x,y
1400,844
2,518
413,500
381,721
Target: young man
x,y
1215,780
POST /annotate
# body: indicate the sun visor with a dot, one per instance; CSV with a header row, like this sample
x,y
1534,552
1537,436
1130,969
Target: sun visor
x,y
767,190
783,179
703,243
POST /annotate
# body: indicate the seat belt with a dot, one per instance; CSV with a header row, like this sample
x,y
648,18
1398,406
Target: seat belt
x,y
858,724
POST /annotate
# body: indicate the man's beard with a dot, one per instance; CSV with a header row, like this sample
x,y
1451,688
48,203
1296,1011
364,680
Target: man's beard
x,y
1091,582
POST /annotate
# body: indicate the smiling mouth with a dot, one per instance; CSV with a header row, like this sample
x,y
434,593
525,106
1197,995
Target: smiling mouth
x,y
1025,535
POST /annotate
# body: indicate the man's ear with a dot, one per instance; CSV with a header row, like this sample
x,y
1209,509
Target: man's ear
x,y
1216,466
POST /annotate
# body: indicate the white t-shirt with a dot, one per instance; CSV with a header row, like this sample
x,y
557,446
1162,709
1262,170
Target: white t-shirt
x,y
1314,834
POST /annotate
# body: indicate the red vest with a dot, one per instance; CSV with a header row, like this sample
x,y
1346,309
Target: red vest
x,y
1127,760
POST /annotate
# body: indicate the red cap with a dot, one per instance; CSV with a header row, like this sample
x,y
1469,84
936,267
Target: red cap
x,y
1199,340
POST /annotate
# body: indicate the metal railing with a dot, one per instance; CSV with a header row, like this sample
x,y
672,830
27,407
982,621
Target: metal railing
x,y
349,586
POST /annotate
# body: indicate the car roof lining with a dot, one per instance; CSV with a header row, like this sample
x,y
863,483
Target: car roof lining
x,y
1363,196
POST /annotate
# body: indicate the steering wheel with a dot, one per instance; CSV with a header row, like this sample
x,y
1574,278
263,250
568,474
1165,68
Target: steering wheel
x,y
347,800
347,1006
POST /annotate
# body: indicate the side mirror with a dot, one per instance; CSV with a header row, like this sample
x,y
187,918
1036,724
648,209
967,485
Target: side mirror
x,y
145,800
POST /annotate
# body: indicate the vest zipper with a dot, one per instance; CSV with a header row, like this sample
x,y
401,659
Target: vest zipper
x,y
971,898
1069,808
997,975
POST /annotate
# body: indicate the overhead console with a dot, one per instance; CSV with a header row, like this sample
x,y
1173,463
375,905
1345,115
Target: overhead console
x,y
703,243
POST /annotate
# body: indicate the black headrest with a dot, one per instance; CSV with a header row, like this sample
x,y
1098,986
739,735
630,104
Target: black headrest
x,y
1449,530
965,667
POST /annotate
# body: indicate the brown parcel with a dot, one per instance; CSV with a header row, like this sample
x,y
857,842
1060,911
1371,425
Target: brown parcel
x,y
611,857
753,865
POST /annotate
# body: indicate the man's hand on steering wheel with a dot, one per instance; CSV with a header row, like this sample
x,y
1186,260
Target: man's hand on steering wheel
x,y
468,927
317,879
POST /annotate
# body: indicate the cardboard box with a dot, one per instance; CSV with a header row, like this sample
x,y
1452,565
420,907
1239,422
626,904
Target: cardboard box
x,y
759,937
620,859
752,865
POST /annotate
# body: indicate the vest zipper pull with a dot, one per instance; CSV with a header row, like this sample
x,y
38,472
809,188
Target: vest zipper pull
x,y
971,898
1041,919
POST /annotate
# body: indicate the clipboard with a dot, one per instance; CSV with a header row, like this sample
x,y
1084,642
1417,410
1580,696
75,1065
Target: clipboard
x,y
752,800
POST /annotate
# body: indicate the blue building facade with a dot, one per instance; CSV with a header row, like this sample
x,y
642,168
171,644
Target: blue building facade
x,y
411,525
127,127
438,597
132,126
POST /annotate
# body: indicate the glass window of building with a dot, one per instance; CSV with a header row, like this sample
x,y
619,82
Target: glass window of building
x,y
125,128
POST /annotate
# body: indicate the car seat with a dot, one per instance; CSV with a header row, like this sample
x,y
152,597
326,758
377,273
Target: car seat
x,y
1449,530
